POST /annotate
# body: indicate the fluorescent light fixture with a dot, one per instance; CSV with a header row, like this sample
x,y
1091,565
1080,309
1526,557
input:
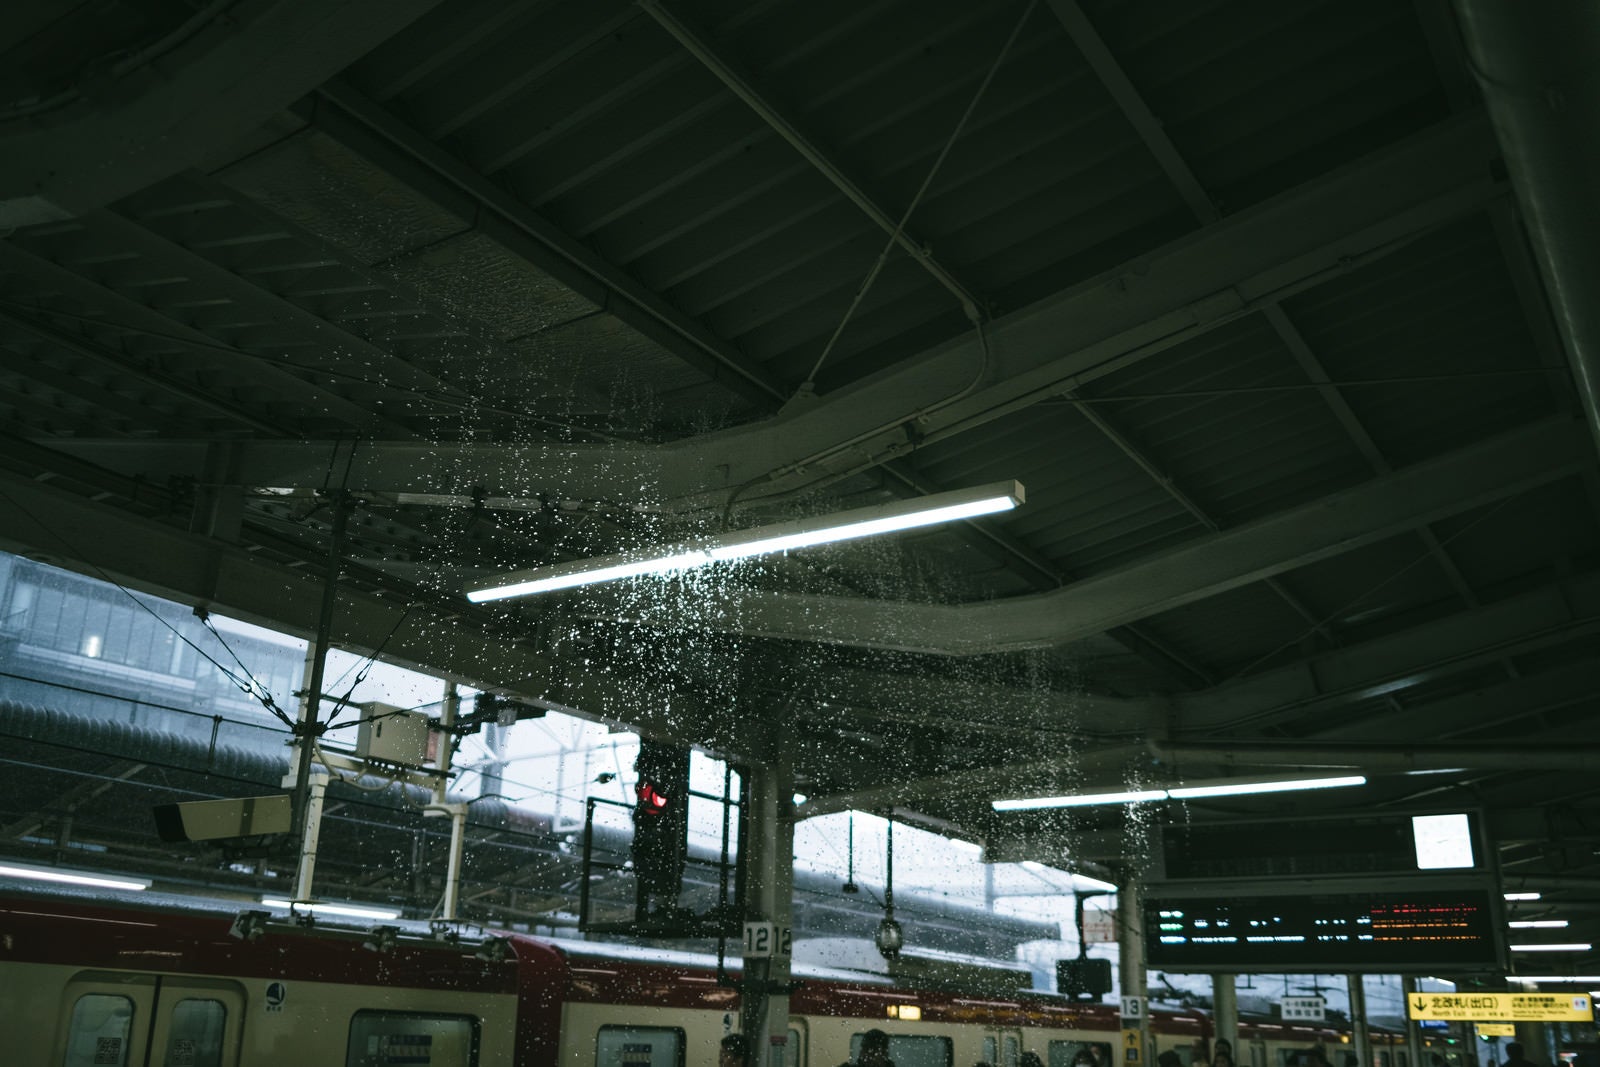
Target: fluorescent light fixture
x,y
1522,896
349,910
1236,789
1538,924
1093,883
1556,978
1575,946
1080,800
1148,796
929,510
54,874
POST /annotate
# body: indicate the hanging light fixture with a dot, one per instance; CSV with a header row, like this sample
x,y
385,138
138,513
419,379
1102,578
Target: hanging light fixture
x,y
931,510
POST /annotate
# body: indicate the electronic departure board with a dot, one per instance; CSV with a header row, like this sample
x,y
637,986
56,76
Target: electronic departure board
x,y
1390,843
1404,929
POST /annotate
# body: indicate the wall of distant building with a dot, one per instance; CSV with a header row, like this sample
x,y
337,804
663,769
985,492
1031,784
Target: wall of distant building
x,y
91,648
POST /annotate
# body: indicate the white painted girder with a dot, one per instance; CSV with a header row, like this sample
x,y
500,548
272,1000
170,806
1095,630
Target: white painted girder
x,y
1203,567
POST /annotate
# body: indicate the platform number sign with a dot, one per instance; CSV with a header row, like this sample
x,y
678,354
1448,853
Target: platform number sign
x,y
764,940
1133,1009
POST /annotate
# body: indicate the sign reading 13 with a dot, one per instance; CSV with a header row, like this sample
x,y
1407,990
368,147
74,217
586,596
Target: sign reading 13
x,y
765,940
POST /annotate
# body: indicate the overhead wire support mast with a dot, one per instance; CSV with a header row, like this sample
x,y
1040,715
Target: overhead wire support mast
x,y
309,728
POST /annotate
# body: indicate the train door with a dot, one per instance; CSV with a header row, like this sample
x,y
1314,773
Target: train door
x,y
116,1020
1002,1047
104,1021
793,1051
197,1024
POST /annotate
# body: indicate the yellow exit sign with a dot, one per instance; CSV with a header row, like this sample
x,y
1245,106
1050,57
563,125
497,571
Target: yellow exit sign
x,y
1487,1030
1501,1007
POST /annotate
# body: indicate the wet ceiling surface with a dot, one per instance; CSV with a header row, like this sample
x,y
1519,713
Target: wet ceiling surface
x,y
1239,291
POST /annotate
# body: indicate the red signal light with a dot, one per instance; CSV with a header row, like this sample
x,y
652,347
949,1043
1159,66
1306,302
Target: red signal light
x,y
651,800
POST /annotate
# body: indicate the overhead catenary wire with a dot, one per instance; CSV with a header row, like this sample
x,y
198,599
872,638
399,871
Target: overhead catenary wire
x,y
244,687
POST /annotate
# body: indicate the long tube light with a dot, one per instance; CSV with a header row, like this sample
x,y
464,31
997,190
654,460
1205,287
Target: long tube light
x,y
1575,946
52,874
1148,796
348,910
929,510
1538,924
1081,800
1234,789
1523,896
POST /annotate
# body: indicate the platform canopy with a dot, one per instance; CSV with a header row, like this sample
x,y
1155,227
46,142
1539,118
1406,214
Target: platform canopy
x,y
1282,314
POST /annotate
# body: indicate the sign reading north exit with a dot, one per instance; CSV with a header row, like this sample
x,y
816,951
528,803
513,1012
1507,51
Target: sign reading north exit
x,y
1501,1007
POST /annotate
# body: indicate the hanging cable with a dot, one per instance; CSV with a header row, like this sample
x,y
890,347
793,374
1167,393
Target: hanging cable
x,y
243,687
973,314
255,688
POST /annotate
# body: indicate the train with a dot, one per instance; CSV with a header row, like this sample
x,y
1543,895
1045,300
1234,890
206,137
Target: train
x,y
91,981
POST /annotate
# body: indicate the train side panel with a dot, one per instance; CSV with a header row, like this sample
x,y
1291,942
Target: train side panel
x,y
251,1022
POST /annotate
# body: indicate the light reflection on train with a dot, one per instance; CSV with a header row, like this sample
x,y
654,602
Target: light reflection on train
x,y
118,984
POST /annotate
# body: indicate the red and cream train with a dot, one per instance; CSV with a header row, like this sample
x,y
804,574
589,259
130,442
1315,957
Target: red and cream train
x,y
88,983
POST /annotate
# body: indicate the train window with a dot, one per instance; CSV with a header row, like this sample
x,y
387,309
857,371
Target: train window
x,y
991,1050
913,1050
1012,1053
1065,1053
1258,1054
98,1033
792,1054
194,1033
380,1038
639,1046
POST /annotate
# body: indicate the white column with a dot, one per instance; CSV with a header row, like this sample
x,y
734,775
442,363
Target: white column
x,y
768,848
1225,1003
312,830
1131,979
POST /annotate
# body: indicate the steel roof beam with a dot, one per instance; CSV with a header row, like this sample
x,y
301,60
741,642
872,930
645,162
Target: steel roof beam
x,y
109,543
373,132
1535,65
743,87
1183,178
1205,566
1231,268
124,313
1325,684
231,71
1382,757
1480,709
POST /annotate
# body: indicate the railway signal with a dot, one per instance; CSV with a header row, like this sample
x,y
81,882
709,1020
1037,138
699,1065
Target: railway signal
x,y
660,829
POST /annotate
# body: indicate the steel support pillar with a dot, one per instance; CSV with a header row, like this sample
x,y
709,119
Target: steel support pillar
x,y
768,847
1535,1039
1360,1040
310,831
1409,985
1136,1050
1225,1012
